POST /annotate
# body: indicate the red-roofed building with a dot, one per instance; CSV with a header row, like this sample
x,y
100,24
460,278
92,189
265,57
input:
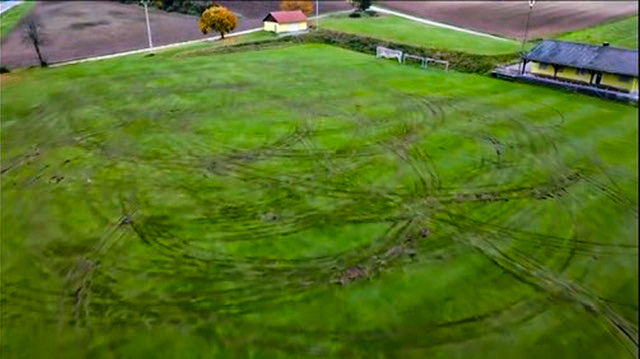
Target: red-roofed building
x,y
285,21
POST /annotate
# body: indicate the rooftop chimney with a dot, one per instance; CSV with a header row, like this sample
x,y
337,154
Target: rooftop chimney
x,y
605,44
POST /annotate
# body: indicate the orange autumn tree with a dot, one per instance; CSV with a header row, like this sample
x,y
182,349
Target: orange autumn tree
x,y
219,19
305,5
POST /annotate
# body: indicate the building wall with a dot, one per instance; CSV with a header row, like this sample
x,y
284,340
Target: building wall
x,y
564,72
291,27
613,80
571,73
269,26
537,69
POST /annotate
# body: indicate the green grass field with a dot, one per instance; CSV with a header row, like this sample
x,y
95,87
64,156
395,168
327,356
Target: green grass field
x,y
11,18
393,28
308,201
227,41
622,33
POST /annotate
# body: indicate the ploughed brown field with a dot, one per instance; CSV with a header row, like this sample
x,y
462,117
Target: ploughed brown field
x,y
78,29
508,18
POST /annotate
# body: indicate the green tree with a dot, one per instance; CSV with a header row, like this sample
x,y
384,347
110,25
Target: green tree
x,y
361,5
305,5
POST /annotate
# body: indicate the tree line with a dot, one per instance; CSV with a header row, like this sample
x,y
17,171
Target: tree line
x,y
190,7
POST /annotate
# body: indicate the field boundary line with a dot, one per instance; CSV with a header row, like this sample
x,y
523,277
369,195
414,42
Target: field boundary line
x,y
434,23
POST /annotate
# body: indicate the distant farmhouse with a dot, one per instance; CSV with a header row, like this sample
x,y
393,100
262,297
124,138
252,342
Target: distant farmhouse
x,y
285,21
603,66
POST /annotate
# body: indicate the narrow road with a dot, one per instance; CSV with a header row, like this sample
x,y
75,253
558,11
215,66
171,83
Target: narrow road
x,y
6,5
434,23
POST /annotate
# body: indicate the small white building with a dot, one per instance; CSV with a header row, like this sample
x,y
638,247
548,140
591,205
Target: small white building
x,y
285,21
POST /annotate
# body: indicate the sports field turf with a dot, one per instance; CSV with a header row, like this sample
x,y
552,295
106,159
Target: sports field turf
x,y
309,201
621,33
397,29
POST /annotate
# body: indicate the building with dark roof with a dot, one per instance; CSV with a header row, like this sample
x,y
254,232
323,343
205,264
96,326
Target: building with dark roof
x,y
600,66
285,21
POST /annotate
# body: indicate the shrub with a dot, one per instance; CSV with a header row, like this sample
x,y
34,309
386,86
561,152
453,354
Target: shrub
x,y
4,69
371,13
459,61
190,7
360,4
305,6
354,14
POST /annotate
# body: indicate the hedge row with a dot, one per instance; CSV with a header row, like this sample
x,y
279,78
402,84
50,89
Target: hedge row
x,y
458,61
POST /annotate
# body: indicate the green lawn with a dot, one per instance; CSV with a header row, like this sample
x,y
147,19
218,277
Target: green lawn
x,y
622,33
183,206
11,18
393,28
227,41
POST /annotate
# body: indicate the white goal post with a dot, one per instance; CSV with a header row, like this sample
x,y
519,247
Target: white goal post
x,y
388,53
445,63
383,52
423,61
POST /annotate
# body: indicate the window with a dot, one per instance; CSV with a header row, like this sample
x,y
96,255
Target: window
x,y
543,66
624,78
581,71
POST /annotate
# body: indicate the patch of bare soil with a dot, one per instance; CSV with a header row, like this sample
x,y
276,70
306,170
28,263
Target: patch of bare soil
x,y
508,18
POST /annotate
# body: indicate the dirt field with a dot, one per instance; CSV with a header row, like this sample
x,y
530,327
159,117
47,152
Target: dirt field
x,y
508,18
83,29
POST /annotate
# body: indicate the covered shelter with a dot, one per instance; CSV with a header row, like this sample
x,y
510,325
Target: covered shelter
x,y
595,65
285,21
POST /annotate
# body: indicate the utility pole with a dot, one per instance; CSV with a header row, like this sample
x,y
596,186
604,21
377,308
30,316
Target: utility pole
x,y
526,29
317,19
146,14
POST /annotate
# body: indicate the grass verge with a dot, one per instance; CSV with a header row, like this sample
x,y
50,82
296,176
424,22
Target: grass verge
x,y
397,29
13,16
459,61
621,33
